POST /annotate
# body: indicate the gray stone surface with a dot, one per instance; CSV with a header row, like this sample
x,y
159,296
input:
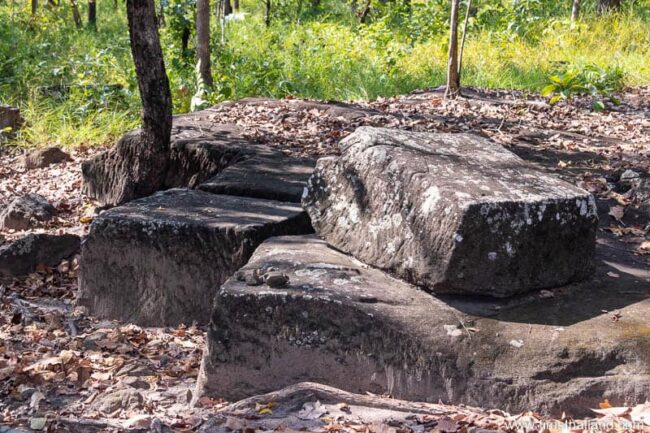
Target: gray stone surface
x,y
199,149
25,211
159,260
10,120
23,256
40,158
272,177
455,213
342,323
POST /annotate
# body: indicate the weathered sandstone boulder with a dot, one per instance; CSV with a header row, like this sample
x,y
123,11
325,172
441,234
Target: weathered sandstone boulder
x,y
455,213
159,260
24,211
342,323
40,158
24,255
272,177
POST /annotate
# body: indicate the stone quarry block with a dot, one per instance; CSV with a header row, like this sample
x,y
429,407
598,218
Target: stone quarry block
x,y
272,177
455,213
159,260
24,255
342,323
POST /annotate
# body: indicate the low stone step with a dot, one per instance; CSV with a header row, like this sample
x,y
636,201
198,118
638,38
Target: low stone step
x,y
159,260
344,324
272,177
455,213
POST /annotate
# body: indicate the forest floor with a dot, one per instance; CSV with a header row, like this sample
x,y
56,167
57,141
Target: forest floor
x,y
63,370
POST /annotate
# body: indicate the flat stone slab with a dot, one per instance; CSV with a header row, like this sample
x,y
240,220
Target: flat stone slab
x,y
455,213
159,260
344,324
272,177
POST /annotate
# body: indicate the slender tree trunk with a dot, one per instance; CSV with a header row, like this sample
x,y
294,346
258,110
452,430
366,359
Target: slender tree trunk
x,y
185,40
236,5
161,14
203,40
115,5
605,6
137,166
75,13
363,15
92,14
575,11
227,7
462,41
152,77
34,7
267,13
453,79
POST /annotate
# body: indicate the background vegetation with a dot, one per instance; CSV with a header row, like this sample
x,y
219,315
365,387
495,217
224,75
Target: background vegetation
x,y
77,86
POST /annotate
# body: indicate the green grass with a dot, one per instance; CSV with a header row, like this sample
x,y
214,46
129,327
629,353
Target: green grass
x,y
325,55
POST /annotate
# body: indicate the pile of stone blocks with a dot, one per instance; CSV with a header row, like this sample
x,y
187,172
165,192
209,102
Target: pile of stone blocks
x,y
433,275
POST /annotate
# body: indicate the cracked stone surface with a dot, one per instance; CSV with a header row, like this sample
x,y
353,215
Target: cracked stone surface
x,y
159,260
348,325
455,213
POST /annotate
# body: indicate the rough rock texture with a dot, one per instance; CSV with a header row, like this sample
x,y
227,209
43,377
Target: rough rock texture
x,y
26,254
159,260
9,118
40,158
199,149
452,212
342,323
22,212
272,177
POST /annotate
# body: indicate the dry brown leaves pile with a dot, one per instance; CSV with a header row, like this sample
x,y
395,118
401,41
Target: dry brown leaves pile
x,y
57,363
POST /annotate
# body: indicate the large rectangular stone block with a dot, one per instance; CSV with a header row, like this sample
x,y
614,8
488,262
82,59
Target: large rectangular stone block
x,y
455,213
160,260
339,322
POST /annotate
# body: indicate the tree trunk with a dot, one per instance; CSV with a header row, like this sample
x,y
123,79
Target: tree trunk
x,y
462,41
267,13
575,11
137,165
605,6
203,40
236,5
92,14
453,79
161,14
227,7
363,15
34,7
75,13
185,40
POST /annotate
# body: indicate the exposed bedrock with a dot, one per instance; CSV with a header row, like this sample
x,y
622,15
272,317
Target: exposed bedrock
x,y
159,260
342,323
455,213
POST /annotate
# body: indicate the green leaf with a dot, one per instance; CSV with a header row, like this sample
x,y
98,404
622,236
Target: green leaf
x,y
597,105
554,99
546,91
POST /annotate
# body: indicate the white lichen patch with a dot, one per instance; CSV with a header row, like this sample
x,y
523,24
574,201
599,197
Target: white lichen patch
x,y
431,198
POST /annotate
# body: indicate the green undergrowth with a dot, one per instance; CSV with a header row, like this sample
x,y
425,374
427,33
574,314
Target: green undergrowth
x,y
77,86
